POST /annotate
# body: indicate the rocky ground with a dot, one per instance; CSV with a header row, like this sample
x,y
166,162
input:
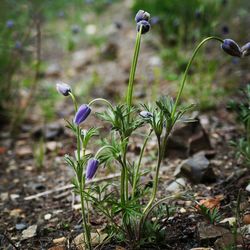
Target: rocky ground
x,y
38,207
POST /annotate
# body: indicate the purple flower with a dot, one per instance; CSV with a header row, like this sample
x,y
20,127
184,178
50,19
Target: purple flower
x,y
154,20
225,29
146,114
63,88
246,49
231,48
75,29
91,168
18,45
142,15
10,24
145,26
82,114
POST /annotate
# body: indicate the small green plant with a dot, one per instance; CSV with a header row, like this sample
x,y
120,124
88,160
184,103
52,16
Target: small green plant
x,y
129,205
212,214
39,154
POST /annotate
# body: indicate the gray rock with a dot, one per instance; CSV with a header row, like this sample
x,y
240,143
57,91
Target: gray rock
x,y
21,226
29,232
197,169
188,139
53,70
82,58
208,231
176,185
49,131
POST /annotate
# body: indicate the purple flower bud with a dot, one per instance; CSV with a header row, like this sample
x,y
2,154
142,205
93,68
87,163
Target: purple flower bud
x,y
146,114
91,168
10,24
82,114
145,26
154,20
246,49
231,48
63,88
142,15
198,14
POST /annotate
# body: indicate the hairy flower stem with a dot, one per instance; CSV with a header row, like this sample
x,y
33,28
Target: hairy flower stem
x,y
156,179
101,100
129,94
86,233
74,101
187,70
139,164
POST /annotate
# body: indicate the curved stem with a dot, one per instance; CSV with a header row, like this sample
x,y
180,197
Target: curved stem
x,y
188,67
101,149
101,100
139,163
74,101
129,94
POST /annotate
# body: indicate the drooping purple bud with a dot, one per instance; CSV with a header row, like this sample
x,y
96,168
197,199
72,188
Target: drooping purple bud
x,y
142,15
231,48
10,24
82,114
91,168
146,114
246,49
63,88
145,26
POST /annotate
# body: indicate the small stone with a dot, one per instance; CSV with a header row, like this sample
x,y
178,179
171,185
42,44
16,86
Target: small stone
x,y
47,216
227,240
29,232
230,220
16,212
51,146
95,239
209,231
59,240
4,196
248,188
246,219
77,206
13,197
91,29
24,152
21,226
53,70
83,58
196,168
176,185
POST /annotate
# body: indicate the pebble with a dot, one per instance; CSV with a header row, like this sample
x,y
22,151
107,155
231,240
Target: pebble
x,y
21,226
176,185
13,197
59,240
248,188
29,232
47,216
16,212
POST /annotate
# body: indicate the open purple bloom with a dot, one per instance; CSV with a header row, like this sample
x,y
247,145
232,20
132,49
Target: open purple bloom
x,y
63,88
142,15
231,48
91,168
145,26
246,49
82,114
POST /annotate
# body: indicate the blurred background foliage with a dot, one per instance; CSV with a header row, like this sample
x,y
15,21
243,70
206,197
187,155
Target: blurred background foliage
x,y
27,26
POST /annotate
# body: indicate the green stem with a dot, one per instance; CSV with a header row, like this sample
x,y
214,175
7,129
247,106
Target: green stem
x,y
101,149
129,94
85,224
188,67
139,163
101,100
156,179
74,101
